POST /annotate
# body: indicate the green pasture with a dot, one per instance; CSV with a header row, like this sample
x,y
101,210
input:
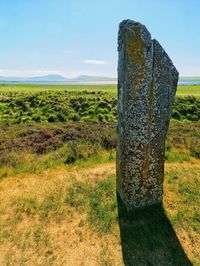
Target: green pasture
x,y
38,88
182,89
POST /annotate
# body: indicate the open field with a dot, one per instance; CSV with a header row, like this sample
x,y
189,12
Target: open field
x,y
70,217
188,90
182,89
38,88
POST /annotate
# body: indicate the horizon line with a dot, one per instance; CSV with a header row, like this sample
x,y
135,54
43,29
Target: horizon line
x,y
75,77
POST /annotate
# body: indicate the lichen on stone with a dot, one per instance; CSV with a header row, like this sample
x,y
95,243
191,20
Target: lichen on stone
x,y
147,81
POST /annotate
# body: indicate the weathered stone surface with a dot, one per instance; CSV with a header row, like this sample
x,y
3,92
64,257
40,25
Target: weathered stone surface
x,y
147,81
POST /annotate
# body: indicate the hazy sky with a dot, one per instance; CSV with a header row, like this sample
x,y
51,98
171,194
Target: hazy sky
x,y
75,37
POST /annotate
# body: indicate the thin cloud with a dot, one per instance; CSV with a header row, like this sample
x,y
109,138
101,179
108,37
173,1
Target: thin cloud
x,y
189,70
95,62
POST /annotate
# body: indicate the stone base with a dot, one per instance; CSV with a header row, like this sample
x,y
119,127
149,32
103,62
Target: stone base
x,y
132,207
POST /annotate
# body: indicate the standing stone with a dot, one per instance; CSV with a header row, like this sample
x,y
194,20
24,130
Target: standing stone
x,y
147,81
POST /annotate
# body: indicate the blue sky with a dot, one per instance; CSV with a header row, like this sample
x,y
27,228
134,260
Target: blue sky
x,y
75,37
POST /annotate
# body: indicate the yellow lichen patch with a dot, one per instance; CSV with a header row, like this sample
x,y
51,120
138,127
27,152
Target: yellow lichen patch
x,y
136,55
150,102
145,169
136,51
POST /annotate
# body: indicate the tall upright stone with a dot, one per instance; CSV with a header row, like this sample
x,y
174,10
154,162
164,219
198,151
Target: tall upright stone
x,y
147,81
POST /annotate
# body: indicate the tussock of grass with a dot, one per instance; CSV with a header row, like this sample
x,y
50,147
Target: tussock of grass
x,y
183,184
98,200
175,155
26,104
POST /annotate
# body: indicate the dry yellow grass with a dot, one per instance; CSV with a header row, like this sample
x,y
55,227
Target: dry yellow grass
x,y
32,235
67,242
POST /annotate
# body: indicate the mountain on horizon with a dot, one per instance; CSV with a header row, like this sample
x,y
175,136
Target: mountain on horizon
x,y
94,78
83,78
57,78
189,78
39,78
48,78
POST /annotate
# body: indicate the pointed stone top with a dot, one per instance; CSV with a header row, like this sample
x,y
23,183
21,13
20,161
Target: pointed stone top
x,y
133,26
132,29
130,23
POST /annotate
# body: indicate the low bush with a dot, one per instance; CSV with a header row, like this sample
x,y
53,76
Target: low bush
x,y
32,148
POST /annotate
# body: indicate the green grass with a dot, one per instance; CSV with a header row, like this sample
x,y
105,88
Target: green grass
x,y
185,90
182,89
40,88
99,201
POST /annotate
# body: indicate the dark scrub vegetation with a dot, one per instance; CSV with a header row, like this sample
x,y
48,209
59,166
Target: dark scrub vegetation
x,y
32,148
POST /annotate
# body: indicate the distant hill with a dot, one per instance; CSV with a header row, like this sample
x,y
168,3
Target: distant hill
x,y
57,78
39,78
47,78
94,78
189,79
83,78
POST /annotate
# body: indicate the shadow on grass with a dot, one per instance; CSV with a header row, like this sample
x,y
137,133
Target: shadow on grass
x,y
148,238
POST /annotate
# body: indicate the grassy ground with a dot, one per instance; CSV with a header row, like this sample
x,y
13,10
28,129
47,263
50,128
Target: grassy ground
x,y
182,89
70,217
189,90
38,88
